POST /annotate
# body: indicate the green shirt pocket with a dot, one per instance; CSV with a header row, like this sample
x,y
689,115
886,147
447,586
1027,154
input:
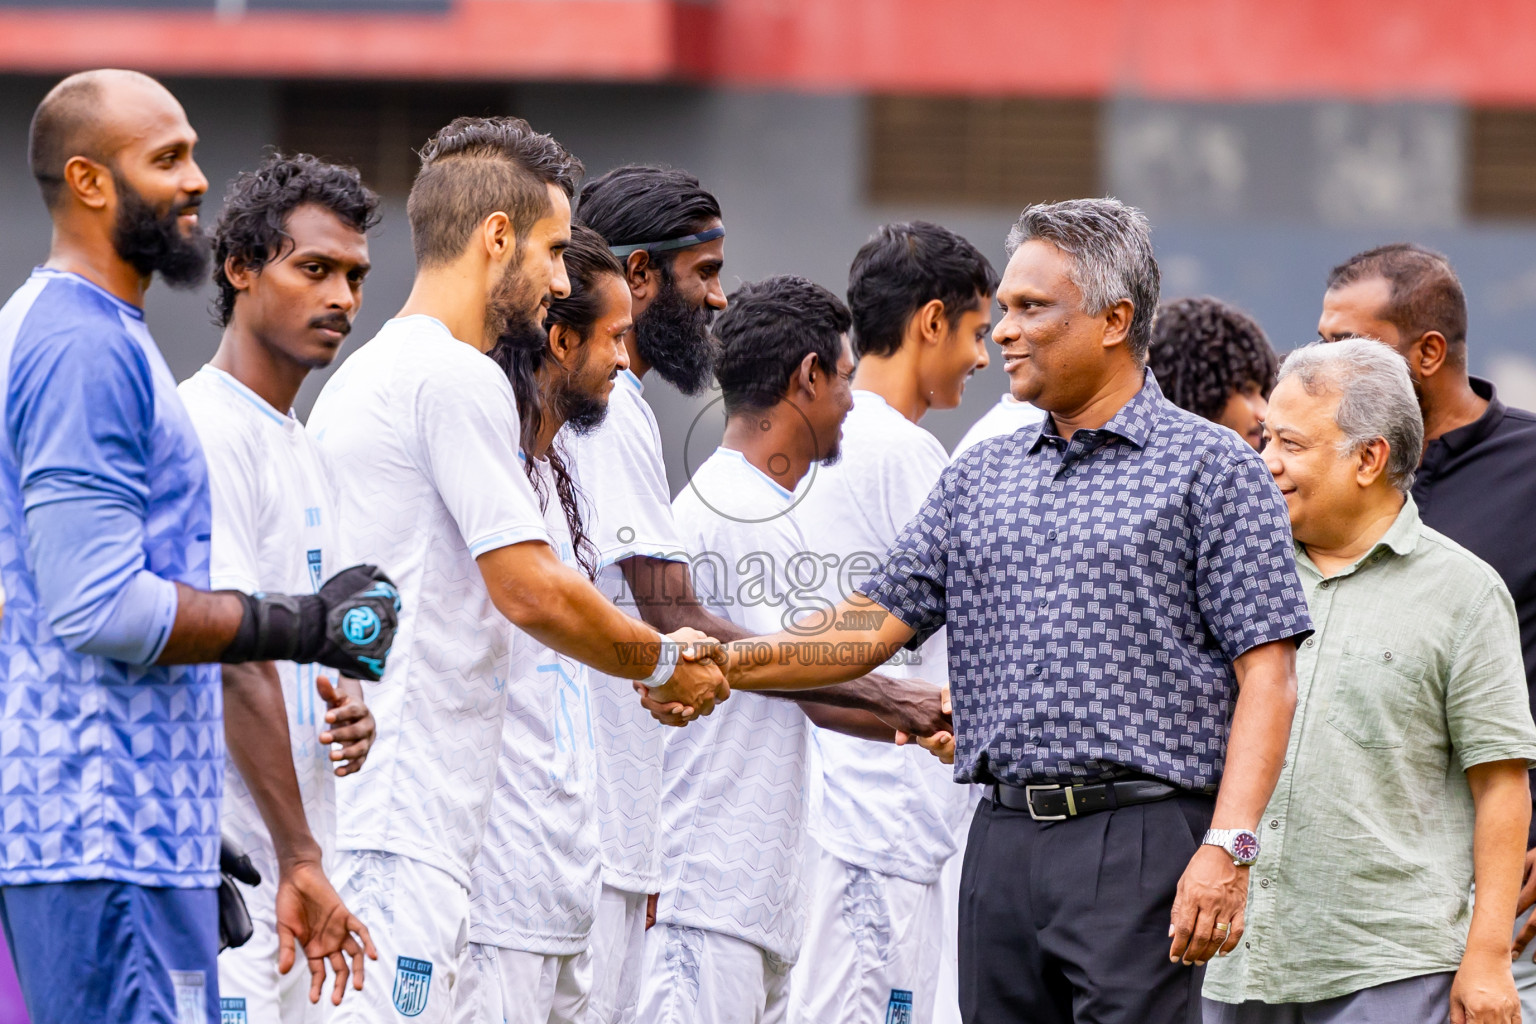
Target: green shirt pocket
x,y
1376,693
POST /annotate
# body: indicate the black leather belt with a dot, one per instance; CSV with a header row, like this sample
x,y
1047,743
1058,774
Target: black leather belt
x,y
1058,803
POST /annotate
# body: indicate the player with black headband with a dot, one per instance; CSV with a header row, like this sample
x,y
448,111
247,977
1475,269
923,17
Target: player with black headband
x,y
668,231
112,721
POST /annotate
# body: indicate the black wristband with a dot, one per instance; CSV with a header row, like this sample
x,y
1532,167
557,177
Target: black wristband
x,y
277,627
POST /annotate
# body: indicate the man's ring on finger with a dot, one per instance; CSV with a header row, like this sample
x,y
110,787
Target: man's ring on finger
x,y
1221,926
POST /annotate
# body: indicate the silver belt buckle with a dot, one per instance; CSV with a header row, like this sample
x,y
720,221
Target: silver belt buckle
x,y
1029,792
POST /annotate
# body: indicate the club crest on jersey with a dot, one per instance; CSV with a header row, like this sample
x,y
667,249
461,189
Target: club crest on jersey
x,y
899,1009
232,1011
314,568
413,979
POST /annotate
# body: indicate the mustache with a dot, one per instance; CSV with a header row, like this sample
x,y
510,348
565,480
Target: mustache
x,y
333,322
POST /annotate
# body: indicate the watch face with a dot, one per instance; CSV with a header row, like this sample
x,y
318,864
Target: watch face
x,y
1245,846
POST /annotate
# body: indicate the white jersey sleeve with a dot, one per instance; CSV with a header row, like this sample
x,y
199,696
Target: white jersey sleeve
x,y
464,429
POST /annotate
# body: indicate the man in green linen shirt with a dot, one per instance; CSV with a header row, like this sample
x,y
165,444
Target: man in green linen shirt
x,y
1405,777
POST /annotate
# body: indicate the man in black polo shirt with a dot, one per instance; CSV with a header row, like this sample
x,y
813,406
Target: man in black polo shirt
x,y
1477,482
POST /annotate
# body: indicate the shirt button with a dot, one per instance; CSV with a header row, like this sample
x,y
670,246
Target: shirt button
x,y
1310,642
1324,585
1386,655
1263,883
1274,822
1051,535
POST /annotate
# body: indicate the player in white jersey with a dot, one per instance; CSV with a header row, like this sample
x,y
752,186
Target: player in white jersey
x,y
675,292
668,231
292,253
422,433
535,886
731,912
886,819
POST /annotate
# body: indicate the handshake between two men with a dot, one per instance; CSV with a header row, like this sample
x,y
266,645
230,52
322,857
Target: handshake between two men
x,y
830,672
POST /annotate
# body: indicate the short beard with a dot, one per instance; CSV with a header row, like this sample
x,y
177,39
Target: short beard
x,y
513,302
672,335
152,242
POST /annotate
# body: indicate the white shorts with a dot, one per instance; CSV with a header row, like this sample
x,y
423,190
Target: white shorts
x,y
252,992
418,916
509,986
618,957
872,950
693,976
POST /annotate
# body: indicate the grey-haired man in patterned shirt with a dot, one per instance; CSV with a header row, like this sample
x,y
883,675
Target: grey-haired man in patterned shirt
x,y
1123,610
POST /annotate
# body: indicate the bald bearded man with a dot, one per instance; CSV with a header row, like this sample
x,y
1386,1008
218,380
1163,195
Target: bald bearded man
x,y
110,691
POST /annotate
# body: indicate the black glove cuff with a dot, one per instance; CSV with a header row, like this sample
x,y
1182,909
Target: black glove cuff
x,y
277,627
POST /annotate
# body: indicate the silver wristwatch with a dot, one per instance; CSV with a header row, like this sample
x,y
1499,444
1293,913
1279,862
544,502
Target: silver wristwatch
x,y
1241,844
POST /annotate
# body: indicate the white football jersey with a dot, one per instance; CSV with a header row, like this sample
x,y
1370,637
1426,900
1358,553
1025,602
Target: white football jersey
x,y
628,512
536,882
890,809
421,433
1008,415
274,529
733,808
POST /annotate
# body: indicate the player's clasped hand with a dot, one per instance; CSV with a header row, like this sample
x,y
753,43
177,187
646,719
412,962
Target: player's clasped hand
x,y
697,683
941,744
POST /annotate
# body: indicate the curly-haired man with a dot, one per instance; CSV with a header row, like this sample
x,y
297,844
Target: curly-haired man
x,y
292,252
1214,361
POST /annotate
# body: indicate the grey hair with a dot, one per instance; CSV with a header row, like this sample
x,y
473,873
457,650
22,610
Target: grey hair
x,y
1110,246
1376,398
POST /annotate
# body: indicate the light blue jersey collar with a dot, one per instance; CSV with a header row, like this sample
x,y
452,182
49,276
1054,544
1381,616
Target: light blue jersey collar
x,y
261,405
770,481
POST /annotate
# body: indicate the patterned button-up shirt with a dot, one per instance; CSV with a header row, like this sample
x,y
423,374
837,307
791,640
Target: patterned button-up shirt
x,y
1096,592
1365,869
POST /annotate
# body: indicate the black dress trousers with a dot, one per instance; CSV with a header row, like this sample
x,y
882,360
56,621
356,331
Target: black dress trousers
x,y
1067,922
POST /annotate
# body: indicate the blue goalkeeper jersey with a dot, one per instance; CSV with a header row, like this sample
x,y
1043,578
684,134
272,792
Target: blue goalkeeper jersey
x,y
109,769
